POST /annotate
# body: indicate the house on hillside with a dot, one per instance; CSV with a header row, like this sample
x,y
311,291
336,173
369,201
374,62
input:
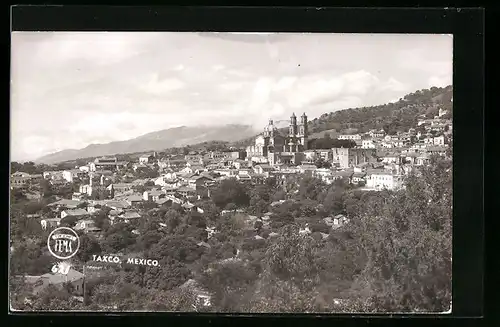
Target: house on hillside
x,y
87,226
50,223
76,213
343,174
64,204
358,177
353,137
391,157
77,196
147,158
117,205
20,179
189,206
153,195
377,134
129,216
134,200
437,150
167,179
368,144
380,179
439,140
139,166
192,169
108,163
52,175
197,182
422,160
73,174
73,277
307,169
263,169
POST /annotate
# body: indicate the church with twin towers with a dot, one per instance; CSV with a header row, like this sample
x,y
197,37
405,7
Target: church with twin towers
x,y
273,147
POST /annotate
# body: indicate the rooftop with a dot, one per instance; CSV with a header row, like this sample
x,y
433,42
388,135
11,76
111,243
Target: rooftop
x,y
50,278
65,202
134,198
76,212
131,215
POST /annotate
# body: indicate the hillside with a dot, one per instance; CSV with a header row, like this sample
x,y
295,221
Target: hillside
x,y
392,117
155,141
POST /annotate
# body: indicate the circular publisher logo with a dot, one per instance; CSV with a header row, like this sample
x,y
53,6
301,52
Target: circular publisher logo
x,y
63,243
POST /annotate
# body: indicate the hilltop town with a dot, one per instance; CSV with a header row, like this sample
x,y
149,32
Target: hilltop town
x,y
223,212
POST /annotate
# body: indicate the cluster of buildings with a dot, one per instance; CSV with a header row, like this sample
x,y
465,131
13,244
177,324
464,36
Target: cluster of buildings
x,y
378,161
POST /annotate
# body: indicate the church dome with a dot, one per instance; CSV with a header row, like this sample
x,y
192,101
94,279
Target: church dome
x,y
270,127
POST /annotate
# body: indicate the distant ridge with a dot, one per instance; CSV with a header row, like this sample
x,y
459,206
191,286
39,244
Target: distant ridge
x,y
155,141
392,117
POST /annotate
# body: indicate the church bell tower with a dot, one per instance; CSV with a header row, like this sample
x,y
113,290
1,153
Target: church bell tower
x,y
303,131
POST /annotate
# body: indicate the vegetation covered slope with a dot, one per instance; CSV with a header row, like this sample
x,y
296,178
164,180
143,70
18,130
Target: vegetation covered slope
x,y
393,255
392,117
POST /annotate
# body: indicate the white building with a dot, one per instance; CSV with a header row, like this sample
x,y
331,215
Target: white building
x,y
50,223
429,140
147,158
442,112
349,137
70,175
85,169
438,140
325,174
367,144
382,179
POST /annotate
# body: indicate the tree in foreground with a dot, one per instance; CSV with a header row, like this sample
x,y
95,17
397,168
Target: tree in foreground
x,y
407,239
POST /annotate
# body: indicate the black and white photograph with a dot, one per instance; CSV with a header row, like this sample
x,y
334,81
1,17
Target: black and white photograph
x,y
219,172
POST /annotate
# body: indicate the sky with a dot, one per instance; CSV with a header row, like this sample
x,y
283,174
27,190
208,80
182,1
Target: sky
x,y
72,89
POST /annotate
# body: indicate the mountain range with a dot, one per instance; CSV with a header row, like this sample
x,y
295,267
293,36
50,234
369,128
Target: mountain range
x,y
392,117
155,141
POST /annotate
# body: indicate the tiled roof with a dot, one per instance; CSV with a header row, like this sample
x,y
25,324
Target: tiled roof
x,y
163,200
344,173
155,192
134,198
77,212
50,278
130,215
65,202
378,172
201,176
116,204
185,189
188,205
52,219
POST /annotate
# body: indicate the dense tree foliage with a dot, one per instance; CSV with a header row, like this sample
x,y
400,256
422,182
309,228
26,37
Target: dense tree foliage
x,y
329,143
394,254
230,191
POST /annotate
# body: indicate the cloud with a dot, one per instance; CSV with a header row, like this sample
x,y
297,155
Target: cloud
x,y
98,47
178,68
69,89
231,86
440,81
218,67
394,85
156,86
